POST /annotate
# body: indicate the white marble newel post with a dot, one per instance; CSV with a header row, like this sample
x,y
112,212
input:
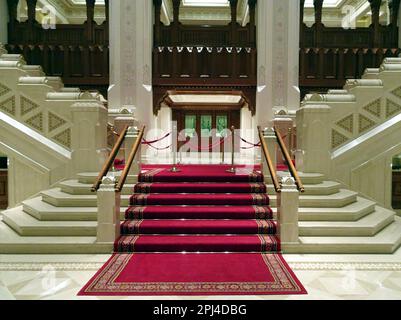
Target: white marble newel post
x,y
278,58
287,211
88,136
126,118
108,216
271,143
313,138
130,138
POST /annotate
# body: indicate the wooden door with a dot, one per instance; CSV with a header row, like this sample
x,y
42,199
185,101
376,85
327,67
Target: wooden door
x,y
207,125
3,189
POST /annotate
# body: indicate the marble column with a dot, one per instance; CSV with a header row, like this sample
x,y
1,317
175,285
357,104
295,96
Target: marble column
x,y
278,59
130,31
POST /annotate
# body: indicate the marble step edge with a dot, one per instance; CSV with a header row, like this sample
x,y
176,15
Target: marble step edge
x,y
90,177
366,226
58,198
351,212
26,225
307,178
75,187
338,200
12,243
386,241
42,210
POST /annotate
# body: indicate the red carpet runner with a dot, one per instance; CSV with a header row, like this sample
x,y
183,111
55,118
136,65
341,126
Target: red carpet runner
x,y
201,209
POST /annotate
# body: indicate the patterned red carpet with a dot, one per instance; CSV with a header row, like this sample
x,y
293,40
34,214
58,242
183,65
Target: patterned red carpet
x,y
178,274
204,211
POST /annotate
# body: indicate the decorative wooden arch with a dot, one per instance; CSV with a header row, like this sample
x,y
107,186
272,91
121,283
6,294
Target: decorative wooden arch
x,y
161,94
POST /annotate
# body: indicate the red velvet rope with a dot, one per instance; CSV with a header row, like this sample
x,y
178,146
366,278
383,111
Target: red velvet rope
x,y
209,147
157,140
253,145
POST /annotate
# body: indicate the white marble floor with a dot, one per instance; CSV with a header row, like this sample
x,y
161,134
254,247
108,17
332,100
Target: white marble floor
x,y
324,277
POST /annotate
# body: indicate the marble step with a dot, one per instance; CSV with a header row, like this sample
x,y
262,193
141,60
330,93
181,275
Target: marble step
x,y
61,199
322,188
47,212
366,226
307,178
340,199
12,243
26,225
90,177
351,212
386,241
76,187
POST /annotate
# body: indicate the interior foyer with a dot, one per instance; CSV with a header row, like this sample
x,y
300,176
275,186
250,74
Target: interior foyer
x,y
341,134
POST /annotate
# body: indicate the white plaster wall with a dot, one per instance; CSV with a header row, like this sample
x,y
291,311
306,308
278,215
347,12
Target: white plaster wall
x,y
3,21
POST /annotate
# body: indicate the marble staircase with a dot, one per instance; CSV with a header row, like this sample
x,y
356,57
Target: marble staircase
x,y
331,220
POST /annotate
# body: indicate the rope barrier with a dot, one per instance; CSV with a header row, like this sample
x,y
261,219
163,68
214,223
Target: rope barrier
x,y
157,140
211,146
253,145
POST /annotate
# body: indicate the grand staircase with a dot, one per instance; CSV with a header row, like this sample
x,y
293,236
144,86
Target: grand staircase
x,y
331,219
200,208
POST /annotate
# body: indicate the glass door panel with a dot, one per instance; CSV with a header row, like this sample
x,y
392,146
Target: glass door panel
x,y
221,126
206,126
190,126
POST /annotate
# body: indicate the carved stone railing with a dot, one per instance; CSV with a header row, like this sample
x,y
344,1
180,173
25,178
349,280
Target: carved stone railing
x,y
351,135
48,131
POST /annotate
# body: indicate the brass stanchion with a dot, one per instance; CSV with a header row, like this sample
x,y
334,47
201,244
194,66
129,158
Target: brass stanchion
x,y
290,141
174,149
232,169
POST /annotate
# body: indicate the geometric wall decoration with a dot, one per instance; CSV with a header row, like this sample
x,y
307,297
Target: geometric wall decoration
x,y
55,122
347,123
27,106
64,138
4,90
36,122
337,139
374,108
392,108
365,123
8,106
397,92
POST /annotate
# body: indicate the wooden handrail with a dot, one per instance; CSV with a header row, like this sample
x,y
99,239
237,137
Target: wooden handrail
x,y
131,158
110,160
269,162
110,127
291,167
